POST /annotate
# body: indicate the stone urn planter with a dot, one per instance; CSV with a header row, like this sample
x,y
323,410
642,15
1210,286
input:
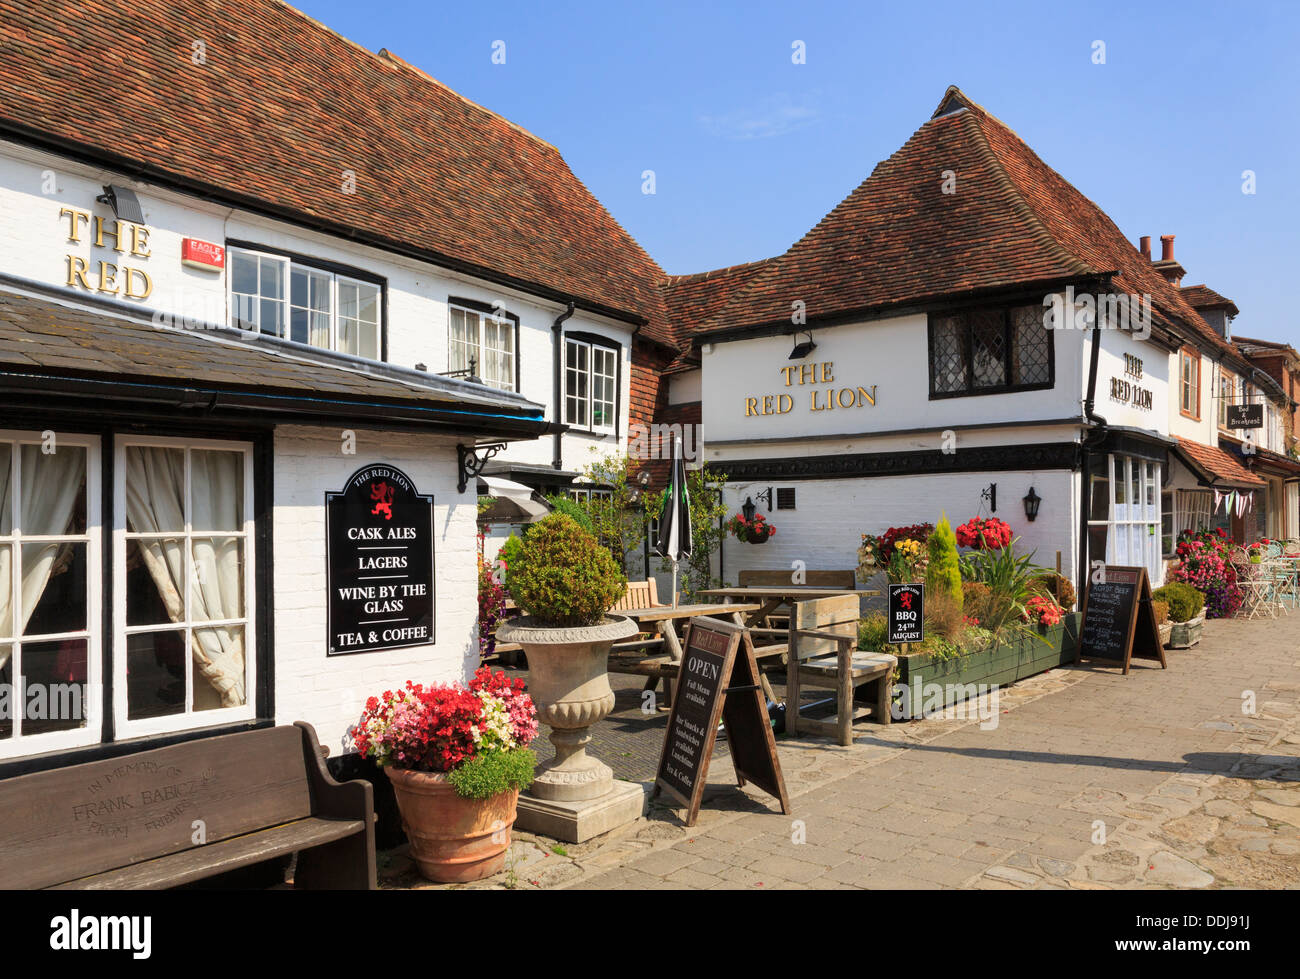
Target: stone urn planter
x,y
568,682
453,839
1185,635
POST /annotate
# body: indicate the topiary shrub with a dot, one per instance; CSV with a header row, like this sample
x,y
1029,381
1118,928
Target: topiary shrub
x,y
943,574
510,550
562,575
1059,587
1185,602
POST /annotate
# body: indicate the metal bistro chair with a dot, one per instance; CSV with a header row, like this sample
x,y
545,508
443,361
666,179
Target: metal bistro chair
x,y
1255,583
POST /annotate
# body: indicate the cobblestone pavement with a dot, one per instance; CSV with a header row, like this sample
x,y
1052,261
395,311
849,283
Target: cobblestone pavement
x,y
1186,778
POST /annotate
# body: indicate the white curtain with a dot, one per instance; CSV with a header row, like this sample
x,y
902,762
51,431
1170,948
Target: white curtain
x,y
51,485
155,494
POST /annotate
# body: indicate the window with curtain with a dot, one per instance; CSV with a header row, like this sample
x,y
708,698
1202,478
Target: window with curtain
x,y
277,296
49,547
185,562
486,338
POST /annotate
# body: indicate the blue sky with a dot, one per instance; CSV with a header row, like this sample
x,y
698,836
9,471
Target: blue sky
x,y
750,150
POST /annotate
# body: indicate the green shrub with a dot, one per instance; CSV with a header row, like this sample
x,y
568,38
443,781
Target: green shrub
x,y
510,550
1160,610
569,507
1185,601
492,773
872,632
944,573
562,575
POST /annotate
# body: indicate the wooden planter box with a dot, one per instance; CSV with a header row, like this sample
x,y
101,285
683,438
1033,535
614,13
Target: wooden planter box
x,y
1001,664
1185,635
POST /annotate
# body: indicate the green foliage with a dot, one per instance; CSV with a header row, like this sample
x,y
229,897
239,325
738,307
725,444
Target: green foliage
x,y
1185,601
571,508
511,548
1009,578
492,773
563,576
943,575
873,630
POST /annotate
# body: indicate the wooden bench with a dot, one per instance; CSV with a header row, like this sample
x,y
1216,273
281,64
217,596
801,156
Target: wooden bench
x,y
186,812
824,653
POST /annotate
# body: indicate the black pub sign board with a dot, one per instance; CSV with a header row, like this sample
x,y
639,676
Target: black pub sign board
x,y
906,613
1118,624
718,681
379,543
1246,416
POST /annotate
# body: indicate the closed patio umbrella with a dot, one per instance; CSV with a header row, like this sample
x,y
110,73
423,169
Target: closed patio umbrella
x,y
674,540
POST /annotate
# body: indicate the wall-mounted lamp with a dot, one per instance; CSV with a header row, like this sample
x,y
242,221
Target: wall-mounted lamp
x,y
748,508
990,494
1031,504
803,348
123,202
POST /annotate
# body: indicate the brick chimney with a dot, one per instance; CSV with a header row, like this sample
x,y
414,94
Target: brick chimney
x,y
1167,266
1144,243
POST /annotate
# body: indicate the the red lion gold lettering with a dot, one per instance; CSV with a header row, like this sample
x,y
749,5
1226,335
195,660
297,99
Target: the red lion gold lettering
x,y
382,494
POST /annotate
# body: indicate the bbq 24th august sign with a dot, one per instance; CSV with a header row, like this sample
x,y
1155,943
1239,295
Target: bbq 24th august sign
x,y
379,541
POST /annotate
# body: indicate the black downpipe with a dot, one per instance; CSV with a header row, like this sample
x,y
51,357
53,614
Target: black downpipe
x,y
1095,436
557,333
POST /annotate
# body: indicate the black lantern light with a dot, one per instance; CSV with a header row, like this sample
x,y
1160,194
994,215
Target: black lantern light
x,y
749,509
802,348
1031,504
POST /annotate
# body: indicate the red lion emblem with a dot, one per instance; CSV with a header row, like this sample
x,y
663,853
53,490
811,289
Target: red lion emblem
x,y
382,494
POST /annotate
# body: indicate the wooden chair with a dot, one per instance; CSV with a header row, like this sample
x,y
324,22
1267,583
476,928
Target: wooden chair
x,y
823,653
639,594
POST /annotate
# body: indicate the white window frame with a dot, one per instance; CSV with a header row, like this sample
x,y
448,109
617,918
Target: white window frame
x,y
91,732
189,719
1122,516
502,320
610,350
335,279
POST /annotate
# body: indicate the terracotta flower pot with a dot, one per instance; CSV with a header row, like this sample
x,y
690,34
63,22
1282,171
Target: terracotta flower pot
x,y
453,839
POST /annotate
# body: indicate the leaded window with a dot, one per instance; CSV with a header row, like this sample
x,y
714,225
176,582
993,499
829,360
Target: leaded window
x,y
986,351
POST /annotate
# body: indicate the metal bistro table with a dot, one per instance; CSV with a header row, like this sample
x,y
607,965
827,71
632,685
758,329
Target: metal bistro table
x,y
771,598
664,620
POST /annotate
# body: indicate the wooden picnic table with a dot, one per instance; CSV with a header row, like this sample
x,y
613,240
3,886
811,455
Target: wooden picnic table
x,y
770,598
664,620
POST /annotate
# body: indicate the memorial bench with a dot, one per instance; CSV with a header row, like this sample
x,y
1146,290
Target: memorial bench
x,y
174,815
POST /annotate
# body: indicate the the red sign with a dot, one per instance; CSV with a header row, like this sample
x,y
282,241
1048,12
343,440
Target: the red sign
x,y
202,254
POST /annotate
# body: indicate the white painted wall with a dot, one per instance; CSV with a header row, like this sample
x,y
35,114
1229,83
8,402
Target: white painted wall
x,y
329,691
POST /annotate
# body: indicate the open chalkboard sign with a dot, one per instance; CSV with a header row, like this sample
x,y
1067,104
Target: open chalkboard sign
x,y
1118,624
718,680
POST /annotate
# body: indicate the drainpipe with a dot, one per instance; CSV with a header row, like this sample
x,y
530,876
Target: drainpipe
x,y
1094,437
557,333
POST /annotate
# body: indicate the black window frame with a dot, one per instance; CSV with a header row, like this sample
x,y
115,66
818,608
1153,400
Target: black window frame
x,y
595,340
1007,338
320,265
480,307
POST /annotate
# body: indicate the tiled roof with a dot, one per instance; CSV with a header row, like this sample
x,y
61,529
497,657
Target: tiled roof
x,y
281,107
696,299
1203,297
1218,464
899,239
51,344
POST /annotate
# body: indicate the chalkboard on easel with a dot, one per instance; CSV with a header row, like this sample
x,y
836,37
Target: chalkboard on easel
x,y
1118,624
718,680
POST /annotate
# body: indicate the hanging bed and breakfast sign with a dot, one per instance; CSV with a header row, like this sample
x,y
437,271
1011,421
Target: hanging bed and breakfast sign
x,y
379,544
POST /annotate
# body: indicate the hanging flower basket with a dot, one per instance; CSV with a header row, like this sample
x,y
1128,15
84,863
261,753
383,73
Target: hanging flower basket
x,y
755,531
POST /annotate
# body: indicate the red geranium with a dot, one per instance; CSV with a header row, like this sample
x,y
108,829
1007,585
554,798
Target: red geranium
x,y
984,533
